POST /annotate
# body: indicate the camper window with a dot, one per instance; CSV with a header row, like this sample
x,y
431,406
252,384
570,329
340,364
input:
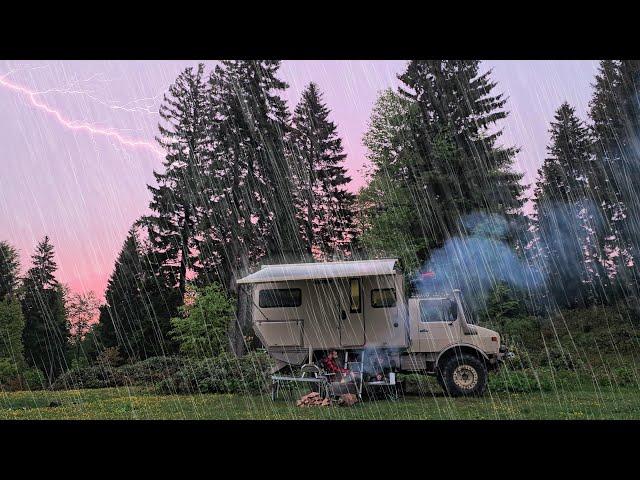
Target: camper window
x,y
383,298
356,302
280,297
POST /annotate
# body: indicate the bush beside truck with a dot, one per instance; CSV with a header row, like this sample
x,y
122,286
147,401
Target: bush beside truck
x,y
248,374
176,375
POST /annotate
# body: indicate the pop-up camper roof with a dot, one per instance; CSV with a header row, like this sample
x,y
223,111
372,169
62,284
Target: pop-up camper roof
x,y
322,270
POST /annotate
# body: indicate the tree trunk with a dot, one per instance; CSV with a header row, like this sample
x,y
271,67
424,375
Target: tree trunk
x,y
241,324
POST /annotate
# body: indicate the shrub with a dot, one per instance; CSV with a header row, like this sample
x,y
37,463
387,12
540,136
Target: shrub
x,y
33,379
520,328
222,374
8,371
521,381
95,376
201,332
145,372
150,371
503,304
11,378
624,376
109,358
559,360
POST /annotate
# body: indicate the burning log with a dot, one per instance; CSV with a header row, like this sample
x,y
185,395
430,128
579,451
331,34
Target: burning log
x,y
313,399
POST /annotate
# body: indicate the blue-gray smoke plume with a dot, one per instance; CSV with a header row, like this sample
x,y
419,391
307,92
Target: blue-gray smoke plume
x,y
477,262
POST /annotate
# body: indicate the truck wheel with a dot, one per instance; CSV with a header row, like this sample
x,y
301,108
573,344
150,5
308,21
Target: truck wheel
x,y
464,375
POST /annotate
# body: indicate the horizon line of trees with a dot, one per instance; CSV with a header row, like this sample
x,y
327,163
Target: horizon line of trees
x,y
245,181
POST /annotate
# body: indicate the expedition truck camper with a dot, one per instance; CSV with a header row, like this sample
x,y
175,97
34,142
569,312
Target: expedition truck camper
x,y
359,307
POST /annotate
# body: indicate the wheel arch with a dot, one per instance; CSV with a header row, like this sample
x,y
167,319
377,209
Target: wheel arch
x,y
460,349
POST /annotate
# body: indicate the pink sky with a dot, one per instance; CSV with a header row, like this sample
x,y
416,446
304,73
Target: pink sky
x,y
77,144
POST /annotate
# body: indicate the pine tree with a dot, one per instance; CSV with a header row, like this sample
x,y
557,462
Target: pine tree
x,y
46,331
9,269
460,168
615,113
172,227
259,121
44,266
391,215
11,330
231,227
567,217
436,159
140,300
326,206
250,211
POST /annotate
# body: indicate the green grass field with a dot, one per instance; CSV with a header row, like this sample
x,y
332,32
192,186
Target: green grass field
x,y
140,403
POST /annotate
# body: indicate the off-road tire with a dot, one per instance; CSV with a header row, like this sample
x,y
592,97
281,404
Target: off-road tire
x,y
463,375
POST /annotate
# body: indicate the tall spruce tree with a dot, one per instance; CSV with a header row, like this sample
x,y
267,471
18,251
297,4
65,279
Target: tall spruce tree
x,y
249,192
175,201
232,227
460,168
9,269
326,207
250,211
140,301
567,215
46,331
615,113
265,121
436,158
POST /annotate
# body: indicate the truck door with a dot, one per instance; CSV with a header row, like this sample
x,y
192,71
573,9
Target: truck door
x,y
435,325
351,313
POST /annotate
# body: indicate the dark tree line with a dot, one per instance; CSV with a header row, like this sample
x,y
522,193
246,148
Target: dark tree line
x,y
435,159
586,199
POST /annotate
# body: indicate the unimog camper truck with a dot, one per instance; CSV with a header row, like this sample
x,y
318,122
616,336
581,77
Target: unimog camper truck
x,y
355,307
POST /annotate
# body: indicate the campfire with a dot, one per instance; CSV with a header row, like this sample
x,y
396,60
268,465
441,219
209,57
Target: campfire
x,y
313,399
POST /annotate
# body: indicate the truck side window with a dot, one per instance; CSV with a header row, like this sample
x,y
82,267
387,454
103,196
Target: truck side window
x,y
383,298
280,298
437,311
354,295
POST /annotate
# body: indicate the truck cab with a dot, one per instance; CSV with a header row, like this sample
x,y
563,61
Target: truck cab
x,y
444,341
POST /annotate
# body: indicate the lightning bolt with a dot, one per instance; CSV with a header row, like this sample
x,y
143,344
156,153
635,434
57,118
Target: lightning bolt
x,y
32,96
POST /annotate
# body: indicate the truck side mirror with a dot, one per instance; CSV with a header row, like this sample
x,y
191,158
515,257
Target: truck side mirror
x,y
343,315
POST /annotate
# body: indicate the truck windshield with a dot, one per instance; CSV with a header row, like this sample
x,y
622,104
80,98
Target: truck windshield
x,y
438,310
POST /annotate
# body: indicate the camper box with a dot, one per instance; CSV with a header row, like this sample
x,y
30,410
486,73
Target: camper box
x,y
319,306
